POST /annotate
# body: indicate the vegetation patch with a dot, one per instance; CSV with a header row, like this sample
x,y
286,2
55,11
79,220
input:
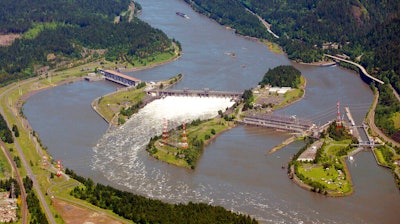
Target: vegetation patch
x,y
327,174
144,210
324,179
282,76
198,134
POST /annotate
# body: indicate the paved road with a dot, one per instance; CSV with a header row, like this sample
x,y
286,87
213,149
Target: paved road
x,y
22,157
358,65
395,92
371,122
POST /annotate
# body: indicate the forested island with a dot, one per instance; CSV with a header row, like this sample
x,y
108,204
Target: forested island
x,y
367,32
282,76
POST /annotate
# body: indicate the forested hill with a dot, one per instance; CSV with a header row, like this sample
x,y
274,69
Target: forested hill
x,y
53,32
363,29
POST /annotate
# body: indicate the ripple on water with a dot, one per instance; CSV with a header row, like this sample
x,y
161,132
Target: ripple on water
x,y
120,155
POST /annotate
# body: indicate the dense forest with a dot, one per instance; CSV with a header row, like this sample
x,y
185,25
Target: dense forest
x,y
144,210
309,28
367,31
53,32
35,211
282,76
5,133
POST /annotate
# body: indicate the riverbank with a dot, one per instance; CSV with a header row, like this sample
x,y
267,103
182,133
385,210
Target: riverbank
x,y
110,106
206,131
174,151
157,62
327,173
28,143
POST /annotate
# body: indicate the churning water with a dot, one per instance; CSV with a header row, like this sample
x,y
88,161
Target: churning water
x,y
120,154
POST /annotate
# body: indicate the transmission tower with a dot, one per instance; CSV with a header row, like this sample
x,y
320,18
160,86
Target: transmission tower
x,y
338,119
165,130
59,166
184,137
12,195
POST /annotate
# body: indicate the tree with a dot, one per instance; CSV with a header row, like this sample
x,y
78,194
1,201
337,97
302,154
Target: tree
x,y
15,130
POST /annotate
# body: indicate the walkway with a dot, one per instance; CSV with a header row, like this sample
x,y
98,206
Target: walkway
x,y
279,122
395,92
358,65
199,93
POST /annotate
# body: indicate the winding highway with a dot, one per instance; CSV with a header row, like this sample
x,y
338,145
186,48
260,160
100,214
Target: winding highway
x,y
358,65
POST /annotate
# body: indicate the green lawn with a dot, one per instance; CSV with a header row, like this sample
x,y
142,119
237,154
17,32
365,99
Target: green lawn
x,y
379,156
396,120
5,167
332,179
110,104
293,94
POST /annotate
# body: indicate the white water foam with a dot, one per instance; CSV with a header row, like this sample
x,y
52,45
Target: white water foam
x,y
120,152
120,155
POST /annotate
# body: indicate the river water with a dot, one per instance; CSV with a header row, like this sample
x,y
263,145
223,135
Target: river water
x,y
234,171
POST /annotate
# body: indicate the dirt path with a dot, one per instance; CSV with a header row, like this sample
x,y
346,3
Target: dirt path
x,y
72,213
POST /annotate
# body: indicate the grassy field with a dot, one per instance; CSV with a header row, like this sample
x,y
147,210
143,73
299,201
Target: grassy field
x,y
111,104
334,181
294,94
333,147
396,120
5,167
379,156
329,171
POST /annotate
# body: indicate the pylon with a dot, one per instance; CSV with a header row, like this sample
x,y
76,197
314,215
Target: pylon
x,y
59,173
338,120
165,130
44,160
184,137
12,195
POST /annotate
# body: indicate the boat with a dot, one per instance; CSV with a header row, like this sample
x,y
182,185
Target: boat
x,y
182,15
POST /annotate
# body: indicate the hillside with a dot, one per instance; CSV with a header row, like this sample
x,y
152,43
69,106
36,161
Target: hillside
x,y
309,28
53,33
367,31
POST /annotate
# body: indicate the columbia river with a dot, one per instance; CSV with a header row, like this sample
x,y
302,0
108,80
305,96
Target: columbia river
x,y
234,171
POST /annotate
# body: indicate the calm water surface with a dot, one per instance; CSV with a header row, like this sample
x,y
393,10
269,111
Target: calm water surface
x,y
233,171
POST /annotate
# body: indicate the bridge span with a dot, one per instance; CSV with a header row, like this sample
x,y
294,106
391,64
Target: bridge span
x,y
198,93
279,122
358,65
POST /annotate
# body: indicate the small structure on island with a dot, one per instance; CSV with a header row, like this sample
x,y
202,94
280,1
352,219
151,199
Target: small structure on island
x,y
183,144
278,90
